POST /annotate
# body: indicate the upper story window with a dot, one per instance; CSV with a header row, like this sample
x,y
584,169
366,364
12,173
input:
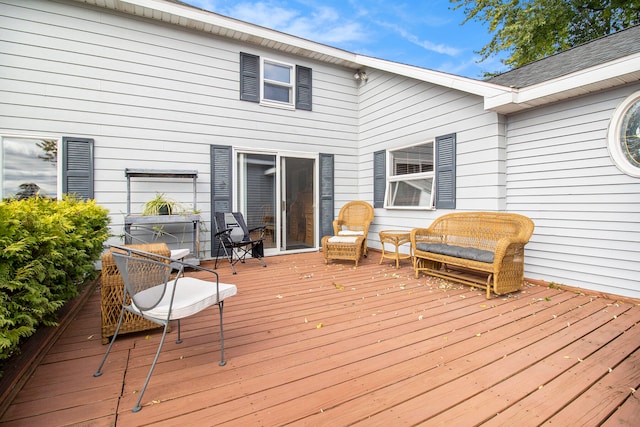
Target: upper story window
x,y
624,136
29,167
411,176
275,83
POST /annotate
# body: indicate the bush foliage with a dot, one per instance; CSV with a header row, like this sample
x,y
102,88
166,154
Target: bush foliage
x,y
47,252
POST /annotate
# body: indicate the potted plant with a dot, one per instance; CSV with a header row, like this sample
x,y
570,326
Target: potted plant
x,y
161,205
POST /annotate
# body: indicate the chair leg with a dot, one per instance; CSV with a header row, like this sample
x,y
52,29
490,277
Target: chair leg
x,y
226,254
113,339
153,365
179,340
222,361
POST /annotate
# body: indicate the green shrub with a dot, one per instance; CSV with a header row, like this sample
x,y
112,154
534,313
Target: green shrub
x,y
47,252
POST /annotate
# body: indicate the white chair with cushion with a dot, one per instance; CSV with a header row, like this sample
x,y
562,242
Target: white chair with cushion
x,y
157,291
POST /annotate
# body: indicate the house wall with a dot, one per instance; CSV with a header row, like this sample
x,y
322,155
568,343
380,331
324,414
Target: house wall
x,y
396,111
586,212
155,96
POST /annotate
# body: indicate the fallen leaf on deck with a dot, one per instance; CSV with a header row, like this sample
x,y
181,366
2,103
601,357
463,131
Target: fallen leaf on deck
x,y
319,325
279,296
338,286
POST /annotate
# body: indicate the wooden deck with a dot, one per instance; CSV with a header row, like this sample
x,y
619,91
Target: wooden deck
x,y
309,344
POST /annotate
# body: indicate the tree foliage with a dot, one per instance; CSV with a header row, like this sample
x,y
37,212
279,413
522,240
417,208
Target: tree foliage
x,y
529,30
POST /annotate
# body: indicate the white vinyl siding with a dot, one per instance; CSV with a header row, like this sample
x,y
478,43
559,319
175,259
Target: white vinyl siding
x,y
396,112
586,212
155,96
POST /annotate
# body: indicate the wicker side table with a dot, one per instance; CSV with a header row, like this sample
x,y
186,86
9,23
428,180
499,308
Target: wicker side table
x,y
396,238
111,294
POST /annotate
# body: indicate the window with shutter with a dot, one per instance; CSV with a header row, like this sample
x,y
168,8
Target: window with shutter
x,y
274,83
420,176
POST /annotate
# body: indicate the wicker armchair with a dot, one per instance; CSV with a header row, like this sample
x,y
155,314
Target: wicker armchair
x,y
354,220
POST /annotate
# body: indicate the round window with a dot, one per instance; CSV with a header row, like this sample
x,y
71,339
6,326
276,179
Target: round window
x,y
624,136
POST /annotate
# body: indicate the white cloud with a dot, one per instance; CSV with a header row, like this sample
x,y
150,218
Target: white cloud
x,y
321,24
425,44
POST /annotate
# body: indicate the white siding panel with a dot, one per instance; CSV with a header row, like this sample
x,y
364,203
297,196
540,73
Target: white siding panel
x,y
587,213
156,96
397,111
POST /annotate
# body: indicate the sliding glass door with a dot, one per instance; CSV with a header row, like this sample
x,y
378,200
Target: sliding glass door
x,y
279,191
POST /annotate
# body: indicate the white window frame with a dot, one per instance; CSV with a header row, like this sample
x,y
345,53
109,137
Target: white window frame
x,y
615,137
290,86
393,179
59,166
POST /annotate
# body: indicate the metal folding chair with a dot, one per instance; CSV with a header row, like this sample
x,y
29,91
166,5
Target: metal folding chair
x,y
235,241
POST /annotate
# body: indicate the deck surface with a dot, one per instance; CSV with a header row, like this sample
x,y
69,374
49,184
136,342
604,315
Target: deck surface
x,y
310,344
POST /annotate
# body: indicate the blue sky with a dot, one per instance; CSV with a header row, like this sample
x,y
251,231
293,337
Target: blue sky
x,y
427,33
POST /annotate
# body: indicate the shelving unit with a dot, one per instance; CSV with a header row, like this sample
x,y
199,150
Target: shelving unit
x,y
147,220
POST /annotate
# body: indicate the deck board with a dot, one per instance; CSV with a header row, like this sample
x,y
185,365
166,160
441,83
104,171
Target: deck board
x,y
314,344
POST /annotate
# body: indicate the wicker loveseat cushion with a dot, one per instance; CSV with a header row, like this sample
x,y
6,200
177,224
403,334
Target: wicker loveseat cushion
x,y
474,254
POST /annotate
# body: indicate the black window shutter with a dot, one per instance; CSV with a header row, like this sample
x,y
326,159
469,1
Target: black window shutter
x,y
446,172
221,176
326,194
303,88
77,167
379,178
221,187
249,77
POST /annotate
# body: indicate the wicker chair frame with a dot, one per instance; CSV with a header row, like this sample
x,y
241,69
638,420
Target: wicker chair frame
x,y
355,216
111,294
343,250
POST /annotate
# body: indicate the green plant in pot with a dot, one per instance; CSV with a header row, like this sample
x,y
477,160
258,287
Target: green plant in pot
x,y
161,205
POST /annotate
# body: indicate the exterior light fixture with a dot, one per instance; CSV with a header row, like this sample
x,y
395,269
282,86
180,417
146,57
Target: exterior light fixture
x,y
360,75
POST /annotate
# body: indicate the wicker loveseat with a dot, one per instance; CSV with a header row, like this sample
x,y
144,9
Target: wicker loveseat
x,y
484,249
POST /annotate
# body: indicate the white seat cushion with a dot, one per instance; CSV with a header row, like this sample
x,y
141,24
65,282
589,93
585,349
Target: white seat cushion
x,y
342,239
192,295
350,233
179,253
